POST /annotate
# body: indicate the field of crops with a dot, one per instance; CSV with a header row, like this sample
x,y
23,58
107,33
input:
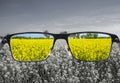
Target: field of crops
x,y
31,49
90,49
60,67
39,49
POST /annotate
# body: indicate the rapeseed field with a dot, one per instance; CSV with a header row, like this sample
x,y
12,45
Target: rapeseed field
x,y
31,49
39,49
90,49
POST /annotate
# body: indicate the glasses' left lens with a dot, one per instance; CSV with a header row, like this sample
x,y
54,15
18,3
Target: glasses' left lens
x,y
31,46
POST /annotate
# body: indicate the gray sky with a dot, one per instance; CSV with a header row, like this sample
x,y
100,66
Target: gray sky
x,y
59,15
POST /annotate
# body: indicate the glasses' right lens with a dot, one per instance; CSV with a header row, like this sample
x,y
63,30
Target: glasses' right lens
x,y
31,46
90,46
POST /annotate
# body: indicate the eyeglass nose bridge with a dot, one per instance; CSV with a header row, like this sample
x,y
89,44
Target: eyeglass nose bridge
x,y
60,36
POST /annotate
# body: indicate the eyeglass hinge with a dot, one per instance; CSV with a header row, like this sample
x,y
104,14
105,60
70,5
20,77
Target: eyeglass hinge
x,y
117,40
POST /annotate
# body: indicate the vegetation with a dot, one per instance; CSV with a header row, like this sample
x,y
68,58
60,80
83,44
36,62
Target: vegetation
x,y
87,36
30,50
60,67
90,49
85,49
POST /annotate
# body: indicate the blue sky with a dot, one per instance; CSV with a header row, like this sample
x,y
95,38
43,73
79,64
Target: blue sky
x,y
32,35
59,15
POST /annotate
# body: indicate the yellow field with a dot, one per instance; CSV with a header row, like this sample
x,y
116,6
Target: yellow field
x,y
90,49
31,49
82,49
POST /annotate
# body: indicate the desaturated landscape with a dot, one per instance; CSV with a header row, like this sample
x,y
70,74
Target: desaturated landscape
x,y
60,67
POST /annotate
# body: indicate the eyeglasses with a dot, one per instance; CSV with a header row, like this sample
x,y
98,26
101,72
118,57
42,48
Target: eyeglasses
x,y
36,46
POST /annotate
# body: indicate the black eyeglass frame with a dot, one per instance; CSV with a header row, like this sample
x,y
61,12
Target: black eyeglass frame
x,y
7,38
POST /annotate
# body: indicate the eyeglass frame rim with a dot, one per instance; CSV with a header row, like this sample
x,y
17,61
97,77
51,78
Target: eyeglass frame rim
x,y
113,36
65,36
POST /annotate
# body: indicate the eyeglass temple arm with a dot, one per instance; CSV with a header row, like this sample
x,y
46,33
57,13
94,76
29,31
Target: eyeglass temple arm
x,y
3,41
116,39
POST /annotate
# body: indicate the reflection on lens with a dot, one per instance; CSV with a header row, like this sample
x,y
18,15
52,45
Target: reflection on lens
x,y
31,47
90,46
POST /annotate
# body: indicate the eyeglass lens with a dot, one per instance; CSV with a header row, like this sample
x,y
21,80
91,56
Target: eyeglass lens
x,y
90,46
31,46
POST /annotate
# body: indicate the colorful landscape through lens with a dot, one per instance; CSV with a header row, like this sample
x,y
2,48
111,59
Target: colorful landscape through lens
x,y
90,49
30,49
36,47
